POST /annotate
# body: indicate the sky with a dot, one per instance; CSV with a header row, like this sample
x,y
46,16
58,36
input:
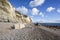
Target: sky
x,y
43,11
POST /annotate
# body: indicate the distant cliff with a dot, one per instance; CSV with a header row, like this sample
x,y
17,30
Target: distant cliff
x,y
9,14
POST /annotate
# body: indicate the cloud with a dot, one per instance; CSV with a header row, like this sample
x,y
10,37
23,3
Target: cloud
x,y
36,3
58,10
34,11
41,14
31,16
22,10
49,9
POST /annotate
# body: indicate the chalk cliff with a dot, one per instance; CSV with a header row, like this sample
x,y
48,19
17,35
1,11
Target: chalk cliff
x,y
9,14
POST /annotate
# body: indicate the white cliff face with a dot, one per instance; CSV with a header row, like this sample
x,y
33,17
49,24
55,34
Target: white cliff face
x,y
8,13
27,19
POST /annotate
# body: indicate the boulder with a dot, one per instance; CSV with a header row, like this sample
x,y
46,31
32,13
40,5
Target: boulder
x,y
19,26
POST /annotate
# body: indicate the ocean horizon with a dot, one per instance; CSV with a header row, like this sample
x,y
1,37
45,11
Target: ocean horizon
x,y
50,24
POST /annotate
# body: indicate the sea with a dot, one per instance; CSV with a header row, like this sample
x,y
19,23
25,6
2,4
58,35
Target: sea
x,y
50,24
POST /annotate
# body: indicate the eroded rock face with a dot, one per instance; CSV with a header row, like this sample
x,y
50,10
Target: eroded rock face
x,y
8,13
22,18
